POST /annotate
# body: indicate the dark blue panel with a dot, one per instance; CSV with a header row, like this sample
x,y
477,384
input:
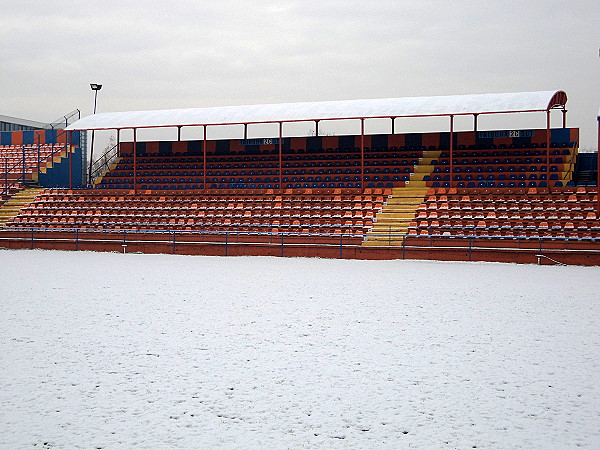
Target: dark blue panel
x,y
379,140
286,145
50,136
28,137
314,142
346,142
6,138
58,175
76,138
223,147
560,135
414,140
195,147
165,148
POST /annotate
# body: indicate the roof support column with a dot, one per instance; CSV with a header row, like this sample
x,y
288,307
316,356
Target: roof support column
x,y
362,154
245,131
69,144
316,127
204,158
598,173
548,149
393,123
280,154
179,133
135,161
475,117
118,142
451,152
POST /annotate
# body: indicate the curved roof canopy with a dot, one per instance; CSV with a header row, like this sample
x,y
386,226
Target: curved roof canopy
x,y
329,110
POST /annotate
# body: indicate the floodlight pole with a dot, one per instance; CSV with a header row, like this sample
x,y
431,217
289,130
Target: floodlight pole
x,y
95,87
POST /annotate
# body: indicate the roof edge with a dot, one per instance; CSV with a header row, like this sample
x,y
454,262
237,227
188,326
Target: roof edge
x,y
466,104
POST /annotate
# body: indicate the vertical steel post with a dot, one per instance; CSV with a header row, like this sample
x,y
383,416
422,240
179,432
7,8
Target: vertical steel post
x,y
23,164
178,133
316,127
70,156
280,155
564,114
91,158
470,248
118,143
38,156
204,150
92,143
362,153
451,152
245,131
548,149
393,125
475,117
598,172
6,177
135,160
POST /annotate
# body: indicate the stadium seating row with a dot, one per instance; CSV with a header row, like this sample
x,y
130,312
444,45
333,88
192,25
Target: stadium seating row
x,y
325,212
507,213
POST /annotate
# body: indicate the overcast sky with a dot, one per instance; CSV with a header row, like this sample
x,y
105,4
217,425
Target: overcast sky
x,y
177,54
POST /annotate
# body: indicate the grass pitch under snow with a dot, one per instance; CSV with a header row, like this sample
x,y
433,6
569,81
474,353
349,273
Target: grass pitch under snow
x,y
155,351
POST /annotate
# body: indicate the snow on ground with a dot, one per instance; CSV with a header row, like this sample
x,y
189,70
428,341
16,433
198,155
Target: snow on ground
x,y
158,351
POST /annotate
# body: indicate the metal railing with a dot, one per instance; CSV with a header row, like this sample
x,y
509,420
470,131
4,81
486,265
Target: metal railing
x,y
21,168
63,122
102,164
287,242
539,257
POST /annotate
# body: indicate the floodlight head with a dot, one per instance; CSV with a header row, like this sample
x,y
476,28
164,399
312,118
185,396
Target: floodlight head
x,y
95,87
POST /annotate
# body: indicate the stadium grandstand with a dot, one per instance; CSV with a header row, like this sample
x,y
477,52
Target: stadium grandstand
x,y
516,195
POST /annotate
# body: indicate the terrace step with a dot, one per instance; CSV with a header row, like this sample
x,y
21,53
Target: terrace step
x,y
392,222
13,206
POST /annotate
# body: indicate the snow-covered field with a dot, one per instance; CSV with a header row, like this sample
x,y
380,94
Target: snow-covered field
x,y
157,351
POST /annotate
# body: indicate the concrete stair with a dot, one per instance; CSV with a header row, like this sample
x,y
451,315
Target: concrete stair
x,y
111,167
49,164
13,206
392,222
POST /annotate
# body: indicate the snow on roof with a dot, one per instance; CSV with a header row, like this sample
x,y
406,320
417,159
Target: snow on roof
x,y
329,110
